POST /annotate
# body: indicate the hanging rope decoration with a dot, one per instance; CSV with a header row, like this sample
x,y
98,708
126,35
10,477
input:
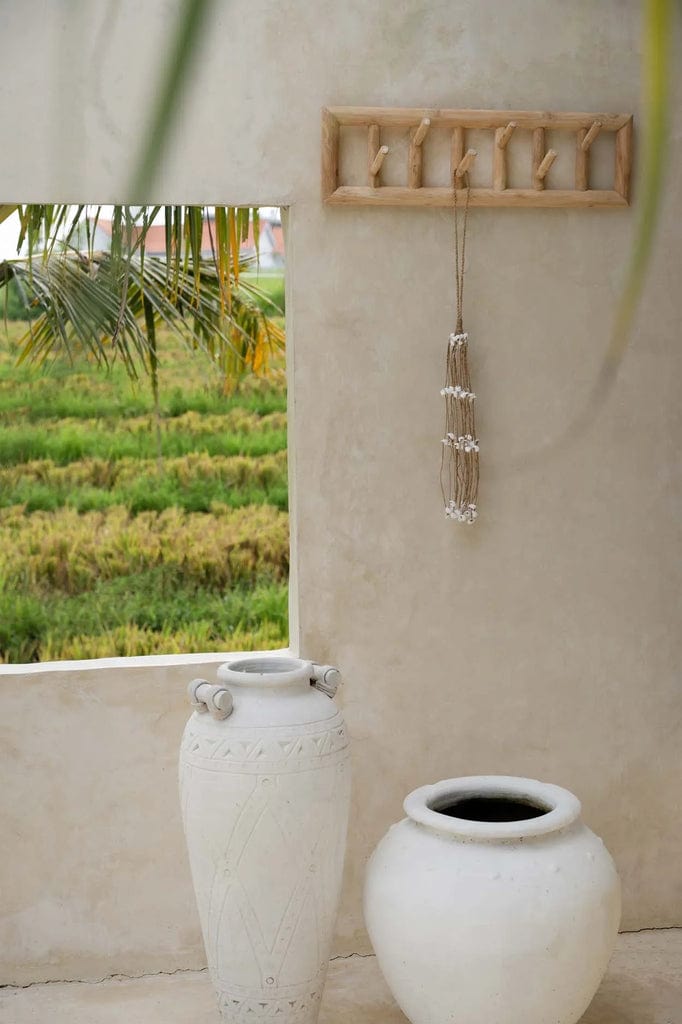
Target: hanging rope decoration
x,y
459,460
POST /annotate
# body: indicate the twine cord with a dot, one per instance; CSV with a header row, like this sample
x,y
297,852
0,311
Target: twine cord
x,y
459,263
459,470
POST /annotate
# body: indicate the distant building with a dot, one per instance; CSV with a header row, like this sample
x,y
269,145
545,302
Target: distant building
x,y
271,239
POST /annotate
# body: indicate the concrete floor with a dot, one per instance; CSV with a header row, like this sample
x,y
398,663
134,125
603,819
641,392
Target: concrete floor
x,y
643,986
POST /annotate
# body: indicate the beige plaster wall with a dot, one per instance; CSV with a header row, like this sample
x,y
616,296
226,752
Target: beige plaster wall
x,y
545,641
94,881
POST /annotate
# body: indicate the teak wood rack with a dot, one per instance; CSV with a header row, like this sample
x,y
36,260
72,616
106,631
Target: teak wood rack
x,y
503,123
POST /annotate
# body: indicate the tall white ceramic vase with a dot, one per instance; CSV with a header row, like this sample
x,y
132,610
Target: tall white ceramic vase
x,y
265,790
492,903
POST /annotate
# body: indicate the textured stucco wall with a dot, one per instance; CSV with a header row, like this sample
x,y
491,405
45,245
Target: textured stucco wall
x,y
94,880
546,640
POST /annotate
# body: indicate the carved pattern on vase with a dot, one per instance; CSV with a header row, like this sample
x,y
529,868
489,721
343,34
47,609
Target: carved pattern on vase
x,y
279,789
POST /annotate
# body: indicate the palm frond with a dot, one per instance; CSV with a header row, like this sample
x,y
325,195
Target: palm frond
x,y
101,302
656,73
176,67
101,305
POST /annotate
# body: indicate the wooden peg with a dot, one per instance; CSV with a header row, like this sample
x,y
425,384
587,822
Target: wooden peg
x,y
542,161
416,157
378,160
466,162
584,139
420,133
590,135
456,154
547,161
375,154
502,137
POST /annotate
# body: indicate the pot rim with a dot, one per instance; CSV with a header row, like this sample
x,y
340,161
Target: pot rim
x,y
562,807
266,671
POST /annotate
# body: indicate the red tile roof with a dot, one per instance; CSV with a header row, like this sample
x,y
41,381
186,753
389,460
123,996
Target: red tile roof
x,y
155,244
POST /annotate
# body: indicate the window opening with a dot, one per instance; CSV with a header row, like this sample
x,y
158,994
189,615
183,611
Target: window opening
x,y
143,467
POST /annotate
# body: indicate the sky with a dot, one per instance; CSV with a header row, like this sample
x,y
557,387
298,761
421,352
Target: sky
x,y
9,232
9,229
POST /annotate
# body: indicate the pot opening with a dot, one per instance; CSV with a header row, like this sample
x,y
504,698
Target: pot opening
x,y
491,808
264,666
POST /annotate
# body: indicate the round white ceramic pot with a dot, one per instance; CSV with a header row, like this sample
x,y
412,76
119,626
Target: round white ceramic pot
x,y
265,789
492,903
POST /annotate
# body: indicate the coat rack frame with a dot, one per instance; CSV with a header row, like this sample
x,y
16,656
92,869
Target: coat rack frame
x,y
503,123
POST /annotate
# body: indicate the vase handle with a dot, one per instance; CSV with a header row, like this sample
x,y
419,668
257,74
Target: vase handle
x,y
205,696
326,679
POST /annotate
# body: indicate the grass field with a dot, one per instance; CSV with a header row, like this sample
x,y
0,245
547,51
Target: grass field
x,y
103,552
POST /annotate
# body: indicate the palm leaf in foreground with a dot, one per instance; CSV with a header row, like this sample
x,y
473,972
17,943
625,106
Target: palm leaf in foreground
x,y
659,25
109,308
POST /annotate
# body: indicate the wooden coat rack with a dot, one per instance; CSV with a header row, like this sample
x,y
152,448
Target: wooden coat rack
x,y
503,123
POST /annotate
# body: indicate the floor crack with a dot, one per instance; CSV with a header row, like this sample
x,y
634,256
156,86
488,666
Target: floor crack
x,y
110,977
663,928
118,976
348,956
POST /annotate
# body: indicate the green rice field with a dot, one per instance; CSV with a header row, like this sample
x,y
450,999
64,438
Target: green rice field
x,y
104,551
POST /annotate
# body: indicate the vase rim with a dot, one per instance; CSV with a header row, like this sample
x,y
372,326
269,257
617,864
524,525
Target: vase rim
x,y
271,672
558,807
